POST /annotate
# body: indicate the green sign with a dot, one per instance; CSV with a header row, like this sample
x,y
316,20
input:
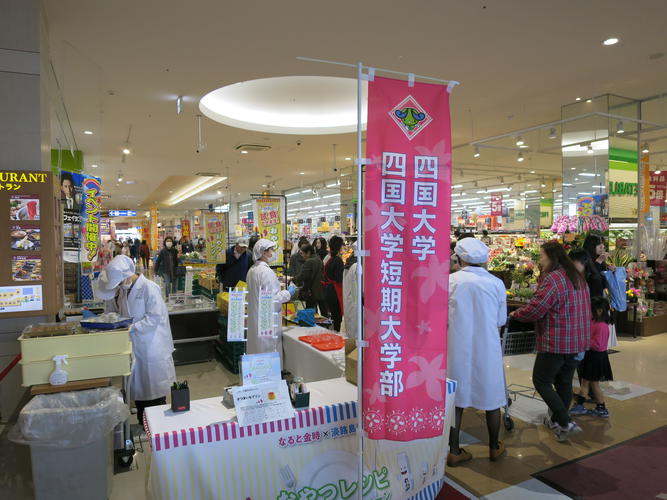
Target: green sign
x,y
623,188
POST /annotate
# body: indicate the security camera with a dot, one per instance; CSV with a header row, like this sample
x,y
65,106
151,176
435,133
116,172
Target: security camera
x,y
335,169
198,150
298,143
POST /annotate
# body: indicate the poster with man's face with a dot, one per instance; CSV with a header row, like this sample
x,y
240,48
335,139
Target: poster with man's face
x,y
70,200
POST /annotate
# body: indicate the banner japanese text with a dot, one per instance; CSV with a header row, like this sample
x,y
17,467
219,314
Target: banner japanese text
x,y
270,222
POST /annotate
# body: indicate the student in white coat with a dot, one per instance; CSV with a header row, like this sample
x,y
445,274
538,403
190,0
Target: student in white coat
x,y
477,309
261,276
132,295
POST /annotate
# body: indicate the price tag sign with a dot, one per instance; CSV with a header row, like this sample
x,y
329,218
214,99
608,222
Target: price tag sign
x,y
265,313
236,316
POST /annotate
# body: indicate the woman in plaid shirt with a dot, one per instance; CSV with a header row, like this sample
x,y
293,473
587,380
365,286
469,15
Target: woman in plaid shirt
x,y
561,309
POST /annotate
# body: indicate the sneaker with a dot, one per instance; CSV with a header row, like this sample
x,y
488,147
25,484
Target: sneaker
x,y
601,412
578,410
550,423
564,433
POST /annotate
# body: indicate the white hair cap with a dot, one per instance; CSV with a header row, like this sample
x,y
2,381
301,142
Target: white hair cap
x,y
119,269
262,246
472,251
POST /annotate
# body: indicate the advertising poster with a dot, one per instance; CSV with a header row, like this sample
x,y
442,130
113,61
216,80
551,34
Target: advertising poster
x,y
496,205
25,236
80,200
23,207
406,230
658,189
216,237
105,226
90,218
270,223
21,298
26,267
312,455
185,229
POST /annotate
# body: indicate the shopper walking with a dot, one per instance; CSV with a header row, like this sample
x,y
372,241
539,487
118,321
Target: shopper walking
x,y
165,266
296,259
477,309
310,279
237,264
261,277
132,295
561,309
595,367
145,253
333,282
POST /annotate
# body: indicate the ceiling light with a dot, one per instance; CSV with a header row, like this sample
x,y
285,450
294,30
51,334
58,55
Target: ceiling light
x,y
457,186
179,100
577,99
587,174
88,132
589,100
610,41
519,141
645,148
589,149
552,133
302,173
196,187
348,158
620,129
291,194
120,176
219,192
658,172
126,151
476,154
520,158
532,171
543,185
94,165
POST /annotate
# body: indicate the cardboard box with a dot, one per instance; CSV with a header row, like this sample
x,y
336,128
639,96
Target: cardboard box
x,y
351,361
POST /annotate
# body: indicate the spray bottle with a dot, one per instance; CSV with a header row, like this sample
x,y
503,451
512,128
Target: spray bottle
x,y
59,376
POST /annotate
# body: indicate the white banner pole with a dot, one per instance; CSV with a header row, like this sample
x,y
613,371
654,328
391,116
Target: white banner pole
x,y
360,253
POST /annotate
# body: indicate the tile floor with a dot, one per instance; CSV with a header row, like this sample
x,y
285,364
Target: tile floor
x,y
637,403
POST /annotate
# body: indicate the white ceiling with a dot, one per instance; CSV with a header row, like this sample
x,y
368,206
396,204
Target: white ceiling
x,y
124,62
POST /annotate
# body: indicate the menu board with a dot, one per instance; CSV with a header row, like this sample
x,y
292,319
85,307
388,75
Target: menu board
x,y
25,236
21,298
26,267
24,207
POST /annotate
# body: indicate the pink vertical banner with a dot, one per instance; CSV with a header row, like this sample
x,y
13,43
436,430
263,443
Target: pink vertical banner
x,y
496,205
406,274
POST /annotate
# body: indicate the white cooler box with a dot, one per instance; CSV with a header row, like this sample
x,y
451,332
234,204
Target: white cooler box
x,y
90,355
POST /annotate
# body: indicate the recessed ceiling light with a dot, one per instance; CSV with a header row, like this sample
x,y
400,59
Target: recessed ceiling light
x,y
88,132
519,141
532,171
589,100
219,192
610,41
577,98
348,158
657,172
244,152
94,165
302,173
126,151
520,157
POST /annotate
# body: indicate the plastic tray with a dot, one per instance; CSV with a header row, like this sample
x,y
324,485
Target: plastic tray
x,y
95,325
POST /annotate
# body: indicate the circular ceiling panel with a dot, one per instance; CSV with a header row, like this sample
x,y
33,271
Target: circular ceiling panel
x,y
308,105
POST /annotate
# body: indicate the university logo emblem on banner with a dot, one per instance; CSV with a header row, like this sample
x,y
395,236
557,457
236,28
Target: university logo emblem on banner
x,y
410,117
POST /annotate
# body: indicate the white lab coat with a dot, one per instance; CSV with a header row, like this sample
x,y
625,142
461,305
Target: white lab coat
x,y
152,344
261,276
350,300
477,309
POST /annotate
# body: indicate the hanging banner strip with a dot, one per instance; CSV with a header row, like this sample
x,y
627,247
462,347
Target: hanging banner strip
x,y
406,230
266,313
236,316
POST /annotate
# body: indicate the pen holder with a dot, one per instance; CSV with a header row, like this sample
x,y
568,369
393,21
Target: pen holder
x,y
301,400
180,399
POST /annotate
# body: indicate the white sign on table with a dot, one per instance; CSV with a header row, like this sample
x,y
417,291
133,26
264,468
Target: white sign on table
x,y
260,368
265,313
236,316
261,403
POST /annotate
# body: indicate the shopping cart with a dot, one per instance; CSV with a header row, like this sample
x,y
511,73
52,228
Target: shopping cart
x,y
514,344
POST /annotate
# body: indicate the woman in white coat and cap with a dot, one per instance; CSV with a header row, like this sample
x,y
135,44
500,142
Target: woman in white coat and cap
x,y
261,277
132,295
477,309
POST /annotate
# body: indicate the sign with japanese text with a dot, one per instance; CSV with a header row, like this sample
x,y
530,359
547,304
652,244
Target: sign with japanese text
x,y
185,229
312,455
270,223
216,237
154,244
658,189
90,218
236,316
406,232
122,213
496,205
266,313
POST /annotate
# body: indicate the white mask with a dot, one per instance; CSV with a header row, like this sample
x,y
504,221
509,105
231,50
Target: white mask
x,y
273,256
169,243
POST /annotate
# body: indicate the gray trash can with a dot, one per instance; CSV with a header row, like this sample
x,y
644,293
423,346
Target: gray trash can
x,y
70,439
